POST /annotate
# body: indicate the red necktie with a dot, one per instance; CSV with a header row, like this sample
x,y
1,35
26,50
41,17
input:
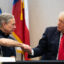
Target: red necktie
x,y
61,49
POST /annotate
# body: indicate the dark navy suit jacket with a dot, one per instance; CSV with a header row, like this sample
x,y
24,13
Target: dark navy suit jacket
x,y
48,44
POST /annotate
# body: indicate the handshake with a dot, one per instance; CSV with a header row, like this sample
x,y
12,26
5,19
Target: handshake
x,y
10,43
26,48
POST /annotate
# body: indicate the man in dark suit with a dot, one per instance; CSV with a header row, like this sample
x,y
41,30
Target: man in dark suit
x,y
49,43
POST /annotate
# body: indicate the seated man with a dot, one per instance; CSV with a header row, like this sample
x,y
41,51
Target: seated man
x,y
7,26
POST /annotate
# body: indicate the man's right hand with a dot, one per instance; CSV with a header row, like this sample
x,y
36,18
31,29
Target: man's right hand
x,y
27,48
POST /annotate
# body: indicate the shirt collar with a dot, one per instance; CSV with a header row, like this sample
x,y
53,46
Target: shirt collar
x,y
2,33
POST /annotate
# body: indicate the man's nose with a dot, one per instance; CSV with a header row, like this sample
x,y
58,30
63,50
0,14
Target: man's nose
x,y
14,26
59,22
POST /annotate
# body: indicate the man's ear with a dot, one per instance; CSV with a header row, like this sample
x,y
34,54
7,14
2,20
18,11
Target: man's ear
x,y
3,23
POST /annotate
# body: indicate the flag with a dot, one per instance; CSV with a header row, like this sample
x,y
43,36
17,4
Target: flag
x,y
0,11
21,32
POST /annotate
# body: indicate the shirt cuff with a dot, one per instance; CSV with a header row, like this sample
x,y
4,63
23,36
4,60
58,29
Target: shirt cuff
x,y
32,52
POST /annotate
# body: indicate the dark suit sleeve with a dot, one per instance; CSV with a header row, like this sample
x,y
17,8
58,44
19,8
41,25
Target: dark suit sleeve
x,y
42,46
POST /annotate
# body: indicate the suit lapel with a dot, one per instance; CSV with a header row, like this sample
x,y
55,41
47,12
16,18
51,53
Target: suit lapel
x,y
57,38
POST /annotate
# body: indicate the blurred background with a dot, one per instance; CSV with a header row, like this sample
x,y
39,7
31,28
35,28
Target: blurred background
x,y
41,14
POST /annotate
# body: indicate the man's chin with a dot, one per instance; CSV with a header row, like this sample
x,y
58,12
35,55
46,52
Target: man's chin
x,y
10,33
58,29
